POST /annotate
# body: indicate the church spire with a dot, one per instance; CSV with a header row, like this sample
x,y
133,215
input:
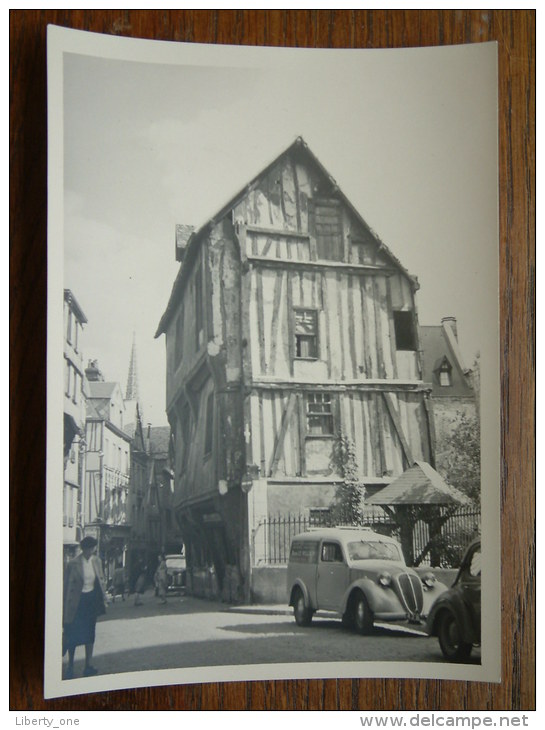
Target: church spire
x,y
132,379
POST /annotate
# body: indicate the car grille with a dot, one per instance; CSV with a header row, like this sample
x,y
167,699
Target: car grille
x,y
410,592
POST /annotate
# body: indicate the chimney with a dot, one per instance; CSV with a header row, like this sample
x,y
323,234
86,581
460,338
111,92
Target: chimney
x,y
183,234
92,372
453,324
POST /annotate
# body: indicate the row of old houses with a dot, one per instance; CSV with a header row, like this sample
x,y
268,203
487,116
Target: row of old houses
x,y
117,477
290,325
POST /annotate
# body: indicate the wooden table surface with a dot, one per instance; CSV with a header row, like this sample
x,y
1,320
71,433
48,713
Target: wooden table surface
x,y
514,32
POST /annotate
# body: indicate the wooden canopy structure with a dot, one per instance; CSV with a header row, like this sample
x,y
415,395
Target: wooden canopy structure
x,y
419,494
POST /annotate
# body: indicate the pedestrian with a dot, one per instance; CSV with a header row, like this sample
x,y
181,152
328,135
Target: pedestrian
x,y
140,585
161,578
83,601
119,584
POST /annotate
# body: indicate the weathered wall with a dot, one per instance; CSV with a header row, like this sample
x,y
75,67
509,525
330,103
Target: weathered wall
x,y
303,249
204,359
269,585
361,415
295,497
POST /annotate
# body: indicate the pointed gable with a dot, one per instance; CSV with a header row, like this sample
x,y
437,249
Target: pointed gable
x,y
440,351
296,197
420,484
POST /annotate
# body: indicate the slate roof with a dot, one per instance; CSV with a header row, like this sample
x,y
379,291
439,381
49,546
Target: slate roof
x,y
420,484
100,389
438,342
159,439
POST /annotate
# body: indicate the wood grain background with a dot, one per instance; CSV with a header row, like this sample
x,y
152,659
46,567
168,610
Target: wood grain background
x,y
514,32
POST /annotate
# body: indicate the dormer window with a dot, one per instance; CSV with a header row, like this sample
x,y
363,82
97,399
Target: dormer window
x,y
444,373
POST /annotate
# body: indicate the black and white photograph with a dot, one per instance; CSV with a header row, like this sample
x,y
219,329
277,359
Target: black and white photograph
x,y
273,363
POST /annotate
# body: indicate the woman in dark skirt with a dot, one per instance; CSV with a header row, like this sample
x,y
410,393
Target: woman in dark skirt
x,y
84,595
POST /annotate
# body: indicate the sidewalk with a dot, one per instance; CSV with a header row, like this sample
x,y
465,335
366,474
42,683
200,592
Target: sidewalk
x,y
277,609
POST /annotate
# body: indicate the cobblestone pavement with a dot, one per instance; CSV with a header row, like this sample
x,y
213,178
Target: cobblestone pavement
x,y
193,632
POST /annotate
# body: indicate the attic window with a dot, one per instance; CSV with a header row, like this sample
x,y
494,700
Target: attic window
x,y
325,224
404,331
444,374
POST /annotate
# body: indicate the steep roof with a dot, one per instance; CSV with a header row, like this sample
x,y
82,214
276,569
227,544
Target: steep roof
x,y
73,302
100,389
159,439
420,484
438,342
194,237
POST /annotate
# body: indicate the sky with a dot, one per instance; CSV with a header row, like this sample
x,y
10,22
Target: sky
x,y
409,135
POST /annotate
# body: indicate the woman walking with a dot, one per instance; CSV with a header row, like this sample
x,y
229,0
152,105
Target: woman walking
x,y
84,601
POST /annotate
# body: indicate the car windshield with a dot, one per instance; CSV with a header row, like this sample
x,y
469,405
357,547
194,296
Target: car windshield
x,y
373,550
175,562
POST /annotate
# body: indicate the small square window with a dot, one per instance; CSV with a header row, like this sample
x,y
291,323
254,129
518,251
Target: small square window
x,y
306,333
320,414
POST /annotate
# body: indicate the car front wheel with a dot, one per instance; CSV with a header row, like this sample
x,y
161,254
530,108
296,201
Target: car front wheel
x,y
362,616
301,612
454,648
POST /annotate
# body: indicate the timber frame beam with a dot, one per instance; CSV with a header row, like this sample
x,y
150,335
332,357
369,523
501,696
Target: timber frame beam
x,y
385,386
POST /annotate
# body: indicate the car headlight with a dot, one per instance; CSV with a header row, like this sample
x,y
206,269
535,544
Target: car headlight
x,y
429,580
385,579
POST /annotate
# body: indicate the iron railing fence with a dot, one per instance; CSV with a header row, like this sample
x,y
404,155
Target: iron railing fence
x,y
272,537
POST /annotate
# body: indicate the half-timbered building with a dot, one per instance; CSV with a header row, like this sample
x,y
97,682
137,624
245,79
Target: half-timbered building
x,y
289,324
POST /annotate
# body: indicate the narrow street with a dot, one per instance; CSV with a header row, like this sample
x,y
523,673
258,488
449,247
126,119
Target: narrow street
x,y
193,632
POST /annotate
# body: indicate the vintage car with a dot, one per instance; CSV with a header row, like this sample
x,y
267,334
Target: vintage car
x,y
455,617
360,575
176,573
